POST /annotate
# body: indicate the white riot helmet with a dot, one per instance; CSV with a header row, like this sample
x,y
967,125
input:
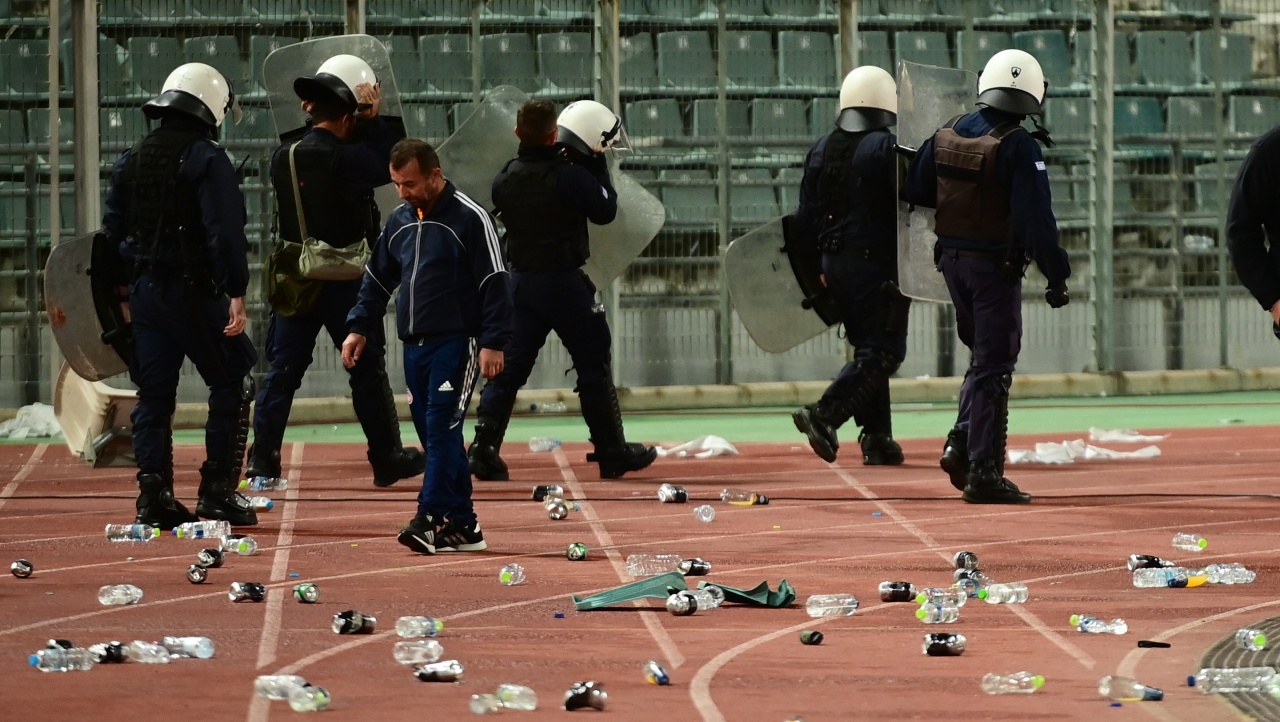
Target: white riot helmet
x,y
336,79
590,127
1012,81
197,90
868,100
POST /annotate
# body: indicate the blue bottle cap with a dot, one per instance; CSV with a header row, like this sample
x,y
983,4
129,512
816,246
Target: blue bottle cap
x,y
1117,704
559,615
1191,680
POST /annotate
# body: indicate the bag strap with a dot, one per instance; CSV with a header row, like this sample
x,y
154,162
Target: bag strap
x,y
297,193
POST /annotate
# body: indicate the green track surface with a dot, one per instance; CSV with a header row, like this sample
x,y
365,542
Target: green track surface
x,y
1029,416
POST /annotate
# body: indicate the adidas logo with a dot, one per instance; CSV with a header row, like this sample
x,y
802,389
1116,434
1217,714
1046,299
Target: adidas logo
x,y
446,386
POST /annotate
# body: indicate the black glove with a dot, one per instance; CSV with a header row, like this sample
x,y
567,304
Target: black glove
x,y
1056,295
595,164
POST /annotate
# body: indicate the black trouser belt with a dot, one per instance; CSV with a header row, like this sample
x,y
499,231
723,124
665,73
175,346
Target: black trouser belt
x,y
993,256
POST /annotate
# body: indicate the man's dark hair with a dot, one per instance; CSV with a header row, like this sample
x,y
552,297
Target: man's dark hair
x,y
327,111
535,120
411,149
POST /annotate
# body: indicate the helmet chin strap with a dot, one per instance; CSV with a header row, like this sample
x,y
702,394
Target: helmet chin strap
x,y
1041,133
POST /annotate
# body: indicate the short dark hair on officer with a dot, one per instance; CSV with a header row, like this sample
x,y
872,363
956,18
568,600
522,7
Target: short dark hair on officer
x,y
328,111
414,149
535,120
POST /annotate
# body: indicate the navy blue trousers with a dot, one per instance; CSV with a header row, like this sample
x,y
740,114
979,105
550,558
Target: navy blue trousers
x,y
168,327
857,285
989,322
441,376
291,342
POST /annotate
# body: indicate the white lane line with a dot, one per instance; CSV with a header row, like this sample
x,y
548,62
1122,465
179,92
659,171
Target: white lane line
x,y
887,508
280,564
656,630
22,473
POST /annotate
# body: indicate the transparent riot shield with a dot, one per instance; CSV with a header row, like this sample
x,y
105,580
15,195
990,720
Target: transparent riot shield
x,y
93,339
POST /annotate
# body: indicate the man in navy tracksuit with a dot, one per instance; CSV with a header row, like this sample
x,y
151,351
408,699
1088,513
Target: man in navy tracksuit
x,y
986,177
454,317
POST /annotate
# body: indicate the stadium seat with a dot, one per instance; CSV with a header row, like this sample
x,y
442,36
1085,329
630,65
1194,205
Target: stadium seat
x,y
975,47
114,84
1065,207
459,113
795,8
26,69
1237,57
12,135
926,48
689,196
961,8
1125,73
685,60
789,189
566,61
118,10
447,64
275,12
1068,118
260,46
1254,115
1164,58
1021,8
806,60
1137,115
569,9
637,69
750,59
1050,48
706,119
1209,195
1191,116
396,12
220,51
910,8
257,126
653,119
430,120
447,10
122,126
822,116
874,49
153,58
406,64
1073,8
777,118
508,59
677,9
217,9
748,10
38,126
750,201
326,10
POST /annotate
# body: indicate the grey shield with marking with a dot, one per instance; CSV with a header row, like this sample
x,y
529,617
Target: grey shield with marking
x,y
928,96
94,340
615,245
764,285
286,64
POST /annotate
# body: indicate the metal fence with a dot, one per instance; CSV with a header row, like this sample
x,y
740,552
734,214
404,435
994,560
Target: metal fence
x,y
1153,104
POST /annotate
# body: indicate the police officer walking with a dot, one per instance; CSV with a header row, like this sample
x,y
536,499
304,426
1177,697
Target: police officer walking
x,y
1253,224
848,206
334,168
544,198
986,177
175,212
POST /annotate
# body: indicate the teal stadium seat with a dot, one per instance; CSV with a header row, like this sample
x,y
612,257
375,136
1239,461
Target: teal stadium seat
x,y
925,48
751,201
114,83
260,46
637,69
406,63
153,58
566,61
12,134
1065,207
1049,48
275,12
508,59
446,64
1237,57
685,60
1206,186
430,119
706,119
796,8
975,47
806,60
780,118
676,9
1068,118
220,51
1021,8
1254,115
822,116
26,69
789,189
1191,116
447,10
750,59
38,126
1164,58
326,10
961,8
650,121
745,9
117,10
396,12
1137,115
873,49
911,8
689,197
217,9
122,127
257,126
1125,71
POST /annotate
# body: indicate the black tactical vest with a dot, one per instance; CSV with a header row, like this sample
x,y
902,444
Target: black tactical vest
x,y
333,214
838,179
542,235
164,211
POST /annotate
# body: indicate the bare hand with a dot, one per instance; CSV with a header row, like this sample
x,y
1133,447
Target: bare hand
x,y
307,105
491,362
237,318
822,277
123,292
1275,312
370,96
351,349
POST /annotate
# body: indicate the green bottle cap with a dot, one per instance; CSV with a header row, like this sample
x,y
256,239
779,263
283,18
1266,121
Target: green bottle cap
x,y
1037,681
921,598
922,613
983,594
1202,543
1075,620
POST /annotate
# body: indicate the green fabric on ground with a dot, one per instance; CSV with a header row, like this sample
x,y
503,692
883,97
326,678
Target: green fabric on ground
x,y
759,595
656,587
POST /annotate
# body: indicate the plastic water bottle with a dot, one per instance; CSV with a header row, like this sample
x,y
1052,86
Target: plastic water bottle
x,y
59,659
1161,577
212,529
147,652
965,560
898,592
1147,561
277,686
417,651
485,703
831,605
1189,542
1252,640
418,626
264,483
515,696
704,513
552,407
742,497
449,670
943,644
1233,573
938,613
1092,625
244,545
979,579
308,698
131,532
970,587
935,595
1016,683
1127,689
672,494
1225,680
688,601
194,647
261,503
543,443
655,674
511,575
542,491
1007,593
648,565
694,567
717,594
117,594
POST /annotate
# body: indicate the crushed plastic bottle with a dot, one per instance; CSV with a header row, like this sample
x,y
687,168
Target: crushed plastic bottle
x,y
109,652
419,626
1161,577
189,647
485,704
550,407
1006,593
970,587
213,529
935,595
1090,624
417,651
944,644
1252,640
60,659
1189,542
695,567
704,513
1227,680
353,622
688,601
511,575
147,652
979,579
515,696
447,671
264,483
131,532
542,491
742,497
583,695
543,444
1016,683
1232,573
717,594
898,592
277,686
965,560
831,605
1147,561
648,565
672,494
938,613
655,673
309,698
242,544
117,594
261,503
1127,689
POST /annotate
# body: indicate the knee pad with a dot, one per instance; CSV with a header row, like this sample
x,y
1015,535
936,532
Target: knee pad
x,y
882,362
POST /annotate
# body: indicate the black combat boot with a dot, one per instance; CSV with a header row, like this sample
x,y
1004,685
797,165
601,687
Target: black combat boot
x,y
819,423
263,463
156,505
955,457
986,485
880,450
219,498
603,415
402,463
482,455
616,461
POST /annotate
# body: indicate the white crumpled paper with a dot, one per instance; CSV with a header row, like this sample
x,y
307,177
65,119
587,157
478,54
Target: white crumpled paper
x,y
1068,451
34,420
1122,435
703,447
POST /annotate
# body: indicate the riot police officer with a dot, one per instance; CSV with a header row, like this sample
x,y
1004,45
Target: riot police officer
x,y
545,197
343,156
176,214
985,176
848,206
1253,224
